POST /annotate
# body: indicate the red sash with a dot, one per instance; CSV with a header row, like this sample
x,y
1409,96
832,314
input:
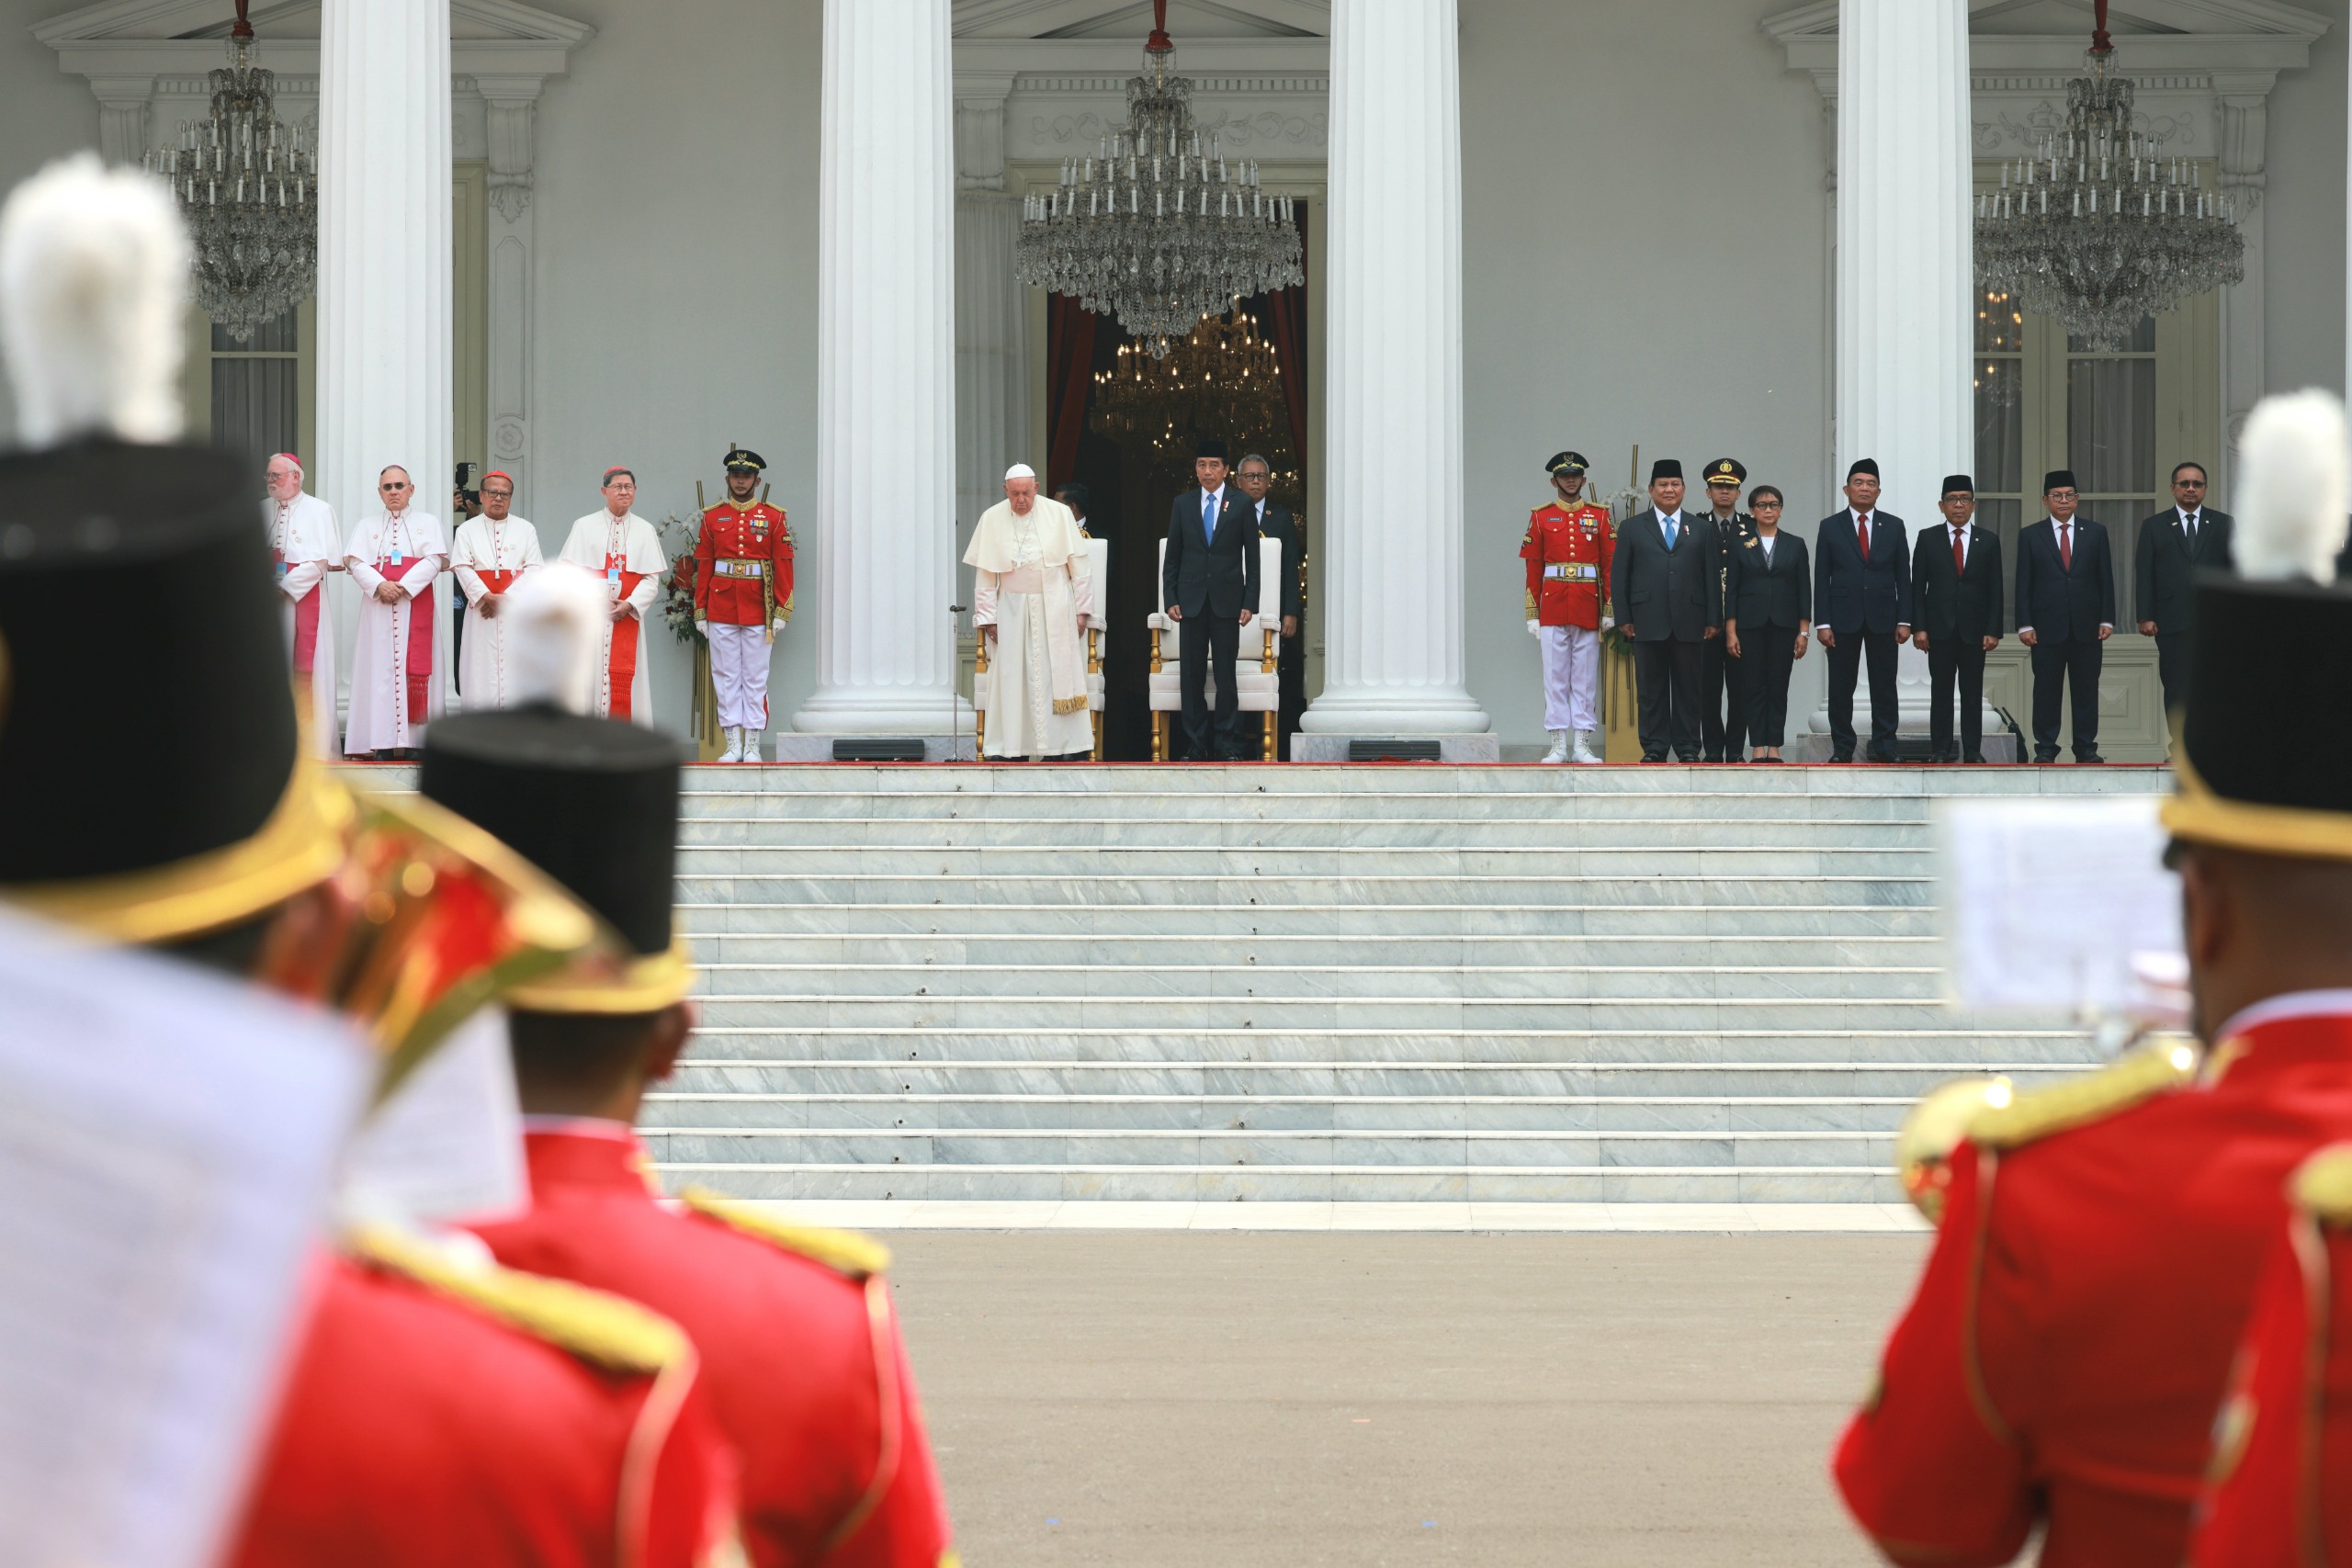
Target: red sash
x,y
306,620
418,666
497,582
621,670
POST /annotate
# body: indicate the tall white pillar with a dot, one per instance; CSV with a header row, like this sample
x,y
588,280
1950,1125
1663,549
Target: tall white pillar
x,y
384,311
991,354
1393,574
884,539
1905,272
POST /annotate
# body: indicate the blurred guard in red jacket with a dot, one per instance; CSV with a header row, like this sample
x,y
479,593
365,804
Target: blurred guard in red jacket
x,y
2071,1339
742,598
796,1328
2281,1492
1567,547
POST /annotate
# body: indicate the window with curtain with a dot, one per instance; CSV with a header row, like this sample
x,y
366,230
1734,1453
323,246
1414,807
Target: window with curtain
x,y
256,389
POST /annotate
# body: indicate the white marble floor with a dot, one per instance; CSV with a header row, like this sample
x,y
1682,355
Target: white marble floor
x,y
878,1215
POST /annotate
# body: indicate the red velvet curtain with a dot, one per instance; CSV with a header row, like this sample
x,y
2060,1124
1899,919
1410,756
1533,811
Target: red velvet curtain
x,y
1070,347
1286,325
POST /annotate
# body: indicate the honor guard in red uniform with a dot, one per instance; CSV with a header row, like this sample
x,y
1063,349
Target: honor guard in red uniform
x,y
1568,550
2281,1489
796,1328
2071,1339
742,598
430,1414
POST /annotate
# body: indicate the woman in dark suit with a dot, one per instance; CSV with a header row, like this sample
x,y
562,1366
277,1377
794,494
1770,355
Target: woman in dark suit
x,y
1767,616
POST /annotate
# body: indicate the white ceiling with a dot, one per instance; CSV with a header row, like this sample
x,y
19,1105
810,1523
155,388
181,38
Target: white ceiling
x,y
1187,19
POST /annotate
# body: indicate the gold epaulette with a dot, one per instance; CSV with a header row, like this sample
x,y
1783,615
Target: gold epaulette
x,y
2323,1185
2131,1078
609,1330
845,1252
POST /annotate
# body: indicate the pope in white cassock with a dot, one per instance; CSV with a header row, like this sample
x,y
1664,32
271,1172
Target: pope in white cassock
x,y
396,558
492,553
306,547
1033,599
622,547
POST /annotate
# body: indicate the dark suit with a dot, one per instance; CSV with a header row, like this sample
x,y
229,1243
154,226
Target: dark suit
x,y
2160,587
1277,523
1212,579
1863,600
1669,598
2066,606
1958,609
1722,727
1771,601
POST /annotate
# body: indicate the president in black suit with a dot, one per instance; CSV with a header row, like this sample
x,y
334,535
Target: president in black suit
x,y
2065,613
1862,597
1209,582
2173,545
1256,477
1664,586
1956,584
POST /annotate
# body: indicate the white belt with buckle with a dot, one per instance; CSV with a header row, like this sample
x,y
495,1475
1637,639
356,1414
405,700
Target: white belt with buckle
x,y
1574,571
739,568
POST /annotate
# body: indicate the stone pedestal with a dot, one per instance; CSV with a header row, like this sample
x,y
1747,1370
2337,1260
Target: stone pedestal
x,y
1393,582
884,544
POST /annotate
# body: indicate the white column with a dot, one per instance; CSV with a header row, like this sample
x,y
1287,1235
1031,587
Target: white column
x,y
1392,581
510,107
384,312
992,355
2244,97
884,538
1905,274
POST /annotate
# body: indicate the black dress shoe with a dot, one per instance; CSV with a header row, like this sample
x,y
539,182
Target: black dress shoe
x,y
1974,757
2044,759
1646,759
2082,757
1764,761
1841,756
1716,757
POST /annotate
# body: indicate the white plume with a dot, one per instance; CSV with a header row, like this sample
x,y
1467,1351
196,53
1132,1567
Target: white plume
x,y
94,281
555,622
2295,480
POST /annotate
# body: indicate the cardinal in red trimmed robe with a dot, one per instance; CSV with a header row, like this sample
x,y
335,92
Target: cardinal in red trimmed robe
x,y
622,547
395,558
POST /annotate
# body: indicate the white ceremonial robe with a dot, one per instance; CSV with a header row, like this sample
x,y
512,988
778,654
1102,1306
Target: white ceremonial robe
x,y
510,546
308,546
627,553
381,709
1030,582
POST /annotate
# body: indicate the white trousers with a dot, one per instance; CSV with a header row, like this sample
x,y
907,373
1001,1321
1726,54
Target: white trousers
x,y
1571,677
739,668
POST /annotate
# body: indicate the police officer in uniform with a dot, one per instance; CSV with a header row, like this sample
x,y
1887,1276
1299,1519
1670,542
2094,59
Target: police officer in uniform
x,y
2101,1240
795,1330
1567,548
1723,687
742,598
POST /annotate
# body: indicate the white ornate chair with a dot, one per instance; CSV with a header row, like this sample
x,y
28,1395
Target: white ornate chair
x,y
1255,663
1097,559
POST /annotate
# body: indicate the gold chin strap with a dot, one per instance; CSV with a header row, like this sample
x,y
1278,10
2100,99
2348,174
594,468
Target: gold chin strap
x,y
2197,814
644,985
301,844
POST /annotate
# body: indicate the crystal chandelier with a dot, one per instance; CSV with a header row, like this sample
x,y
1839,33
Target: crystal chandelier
x,y
1222,379
2098,229
248,192
1157,229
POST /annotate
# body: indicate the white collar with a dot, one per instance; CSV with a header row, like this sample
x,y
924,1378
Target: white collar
x,y
2188,516
1209,495
2292,1004
1861,516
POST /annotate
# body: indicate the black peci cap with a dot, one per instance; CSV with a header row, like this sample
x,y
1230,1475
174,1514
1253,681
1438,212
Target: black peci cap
x,y
1725,471
1862,466
1665,468
1211,447
1958,484
592,802
2253,772
2058,479
1567,463
193,662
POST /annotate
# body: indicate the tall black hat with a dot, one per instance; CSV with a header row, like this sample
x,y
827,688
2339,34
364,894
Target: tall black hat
x,y
1726,472
1665,468
593,803
1567,463
744,457
193,662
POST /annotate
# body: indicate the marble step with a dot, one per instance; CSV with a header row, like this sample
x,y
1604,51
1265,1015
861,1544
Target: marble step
x,y
1750,885
1899,1084
1497,921
853,808
1321,1183
1174,982
1202,863
783,1011
1406,782
1660,1043
1111,950
1730,830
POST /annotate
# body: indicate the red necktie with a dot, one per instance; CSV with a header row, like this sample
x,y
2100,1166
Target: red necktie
x,y
1958,552
1862,534
2066,545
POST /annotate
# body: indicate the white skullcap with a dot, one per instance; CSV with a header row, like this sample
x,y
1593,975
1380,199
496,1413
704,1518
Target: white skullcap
x,y
1018,471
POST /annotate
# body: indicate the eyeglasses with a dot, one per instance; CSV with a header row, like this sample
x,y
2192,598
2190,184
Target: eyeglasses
x,y
389,485
2188,484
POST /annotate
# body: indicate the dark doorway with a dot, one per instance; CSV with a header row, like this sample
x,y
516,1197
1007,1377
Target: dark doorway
x,y
1134,455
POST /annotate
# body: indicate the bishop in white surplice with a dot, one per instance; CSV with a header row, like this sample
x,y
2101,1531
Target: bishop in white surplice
x,y
396,558
1033,596
492,553
306,547
622,547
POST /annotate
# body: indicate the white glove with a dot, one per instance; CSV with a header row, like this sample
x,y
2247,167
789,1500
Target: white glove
x,y
1534,629
1608,622
778,625
703,626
